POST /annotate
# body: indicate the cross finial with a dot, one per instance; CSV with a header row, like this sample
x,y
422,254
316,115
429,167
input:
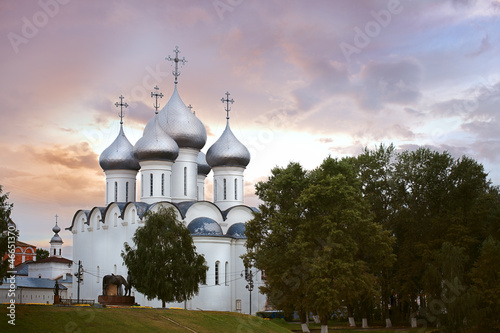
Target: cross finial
x,y
121,105
227,101
190,107
56,218
156,95
176,62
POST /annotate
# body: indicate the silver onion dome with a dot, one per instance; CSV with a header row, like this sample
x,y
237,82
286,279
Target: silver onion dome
x,y
155,144
203,167
119,155
56,238
228,151
180,123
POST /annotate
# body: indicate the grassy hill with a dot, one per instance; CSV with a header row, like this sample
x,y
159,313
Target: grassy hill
x,y
49,318
40,318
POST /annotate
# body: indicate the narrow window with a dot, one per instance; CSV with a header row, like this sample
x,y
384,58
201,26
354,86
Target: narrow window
x,y
116,191
217,272
151,184
226,274
215,190
225,196
107,186
126,192
162,184
142,185
54,251
98,274
59,251
185,180
235,189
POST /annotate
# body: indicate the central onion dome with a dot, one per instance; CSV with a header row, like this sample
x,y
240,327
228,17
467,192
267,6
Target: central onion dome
x,y
119,155
228,151
203,167
155,144
180,123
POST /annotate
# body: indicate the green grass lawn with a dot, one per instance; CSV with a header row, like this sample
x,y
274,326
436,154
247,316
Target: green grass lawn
x,y
39,318
48,318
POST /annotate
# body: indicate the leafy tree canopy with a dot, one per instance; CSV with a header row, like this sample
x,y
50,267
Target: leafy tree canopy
x,y
163,262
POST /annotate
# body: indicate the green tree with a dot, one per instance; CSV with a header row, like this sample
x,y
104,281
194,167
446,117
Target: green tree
x,y
485,276
41,254
8,236
313,237
271,238
163,263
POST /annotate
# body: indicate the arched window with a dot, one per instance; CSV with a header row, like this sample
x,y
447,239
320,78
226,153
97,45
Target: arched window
x,y
185,180
142,185
116,220
225,196
235,189
126,192
107,185
116,191
217,263
59,251
162,184
226,274
54,251
98,274
151,184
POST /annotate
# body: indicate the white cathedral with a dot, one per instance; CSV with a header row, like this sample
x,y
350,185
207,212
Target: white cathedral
x,y
172,170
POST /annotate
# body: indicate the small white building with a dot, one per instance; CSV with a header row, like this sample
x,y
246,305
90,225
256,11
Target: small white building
x,y
34,281
172,172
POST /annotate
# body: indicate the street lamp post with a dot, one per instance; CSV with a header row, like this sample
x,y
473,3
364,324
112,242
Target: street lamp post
x,y
249,286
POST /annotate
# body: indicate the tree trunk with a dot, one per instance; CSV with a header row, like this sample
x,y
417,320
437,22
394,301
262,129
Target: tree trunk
x,y
304,328
303,321
162,303
316,319
364,323
352,323
413,322
324,323
388,322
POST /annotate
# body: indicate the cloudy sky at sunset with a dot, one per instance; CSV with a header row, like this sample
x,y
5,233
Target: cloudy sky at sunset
x,y
309,79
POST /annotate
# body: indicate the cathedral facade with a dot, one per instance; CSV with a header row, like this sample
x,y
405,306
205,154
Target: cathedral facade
x,y
172,170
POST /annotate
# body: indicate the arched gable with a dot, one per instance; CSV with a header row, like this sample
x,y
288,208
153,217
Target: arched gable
x,y
134,210
204,209
238,214
112,215
79,215
95,217
154,207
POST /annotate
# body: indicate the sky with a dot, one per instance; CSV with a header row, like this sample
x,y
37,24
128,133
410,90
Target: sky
x,y
309,79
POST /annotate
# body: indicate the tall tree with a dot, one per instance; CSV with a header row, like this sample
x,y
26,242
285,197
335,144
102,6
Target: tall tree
x,y
8,236
163,262
271,238
311,238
